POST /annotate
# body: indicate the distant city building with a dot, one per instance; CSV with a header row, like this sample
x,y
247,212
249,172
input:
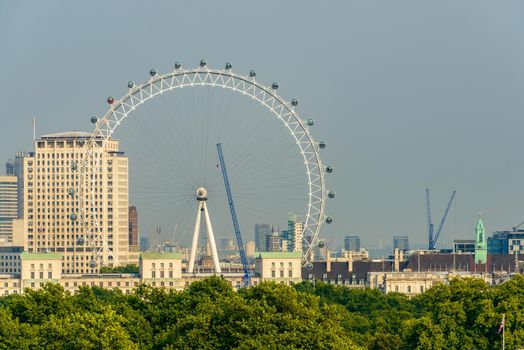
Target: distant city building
x,y
480,243
464,246
16,168
52,215
8,206
292,237
250,249
227,244
506,242
144,244
261,231
133,226
273,242
352,243
401,243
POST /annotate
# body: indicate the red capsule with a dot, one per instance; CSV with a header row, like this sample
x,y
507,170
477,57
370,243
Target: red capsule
x,y
110,100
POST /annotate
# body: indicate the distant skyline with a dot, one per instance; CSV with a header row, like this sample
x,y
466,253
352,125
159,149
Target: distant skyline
x,y
406,94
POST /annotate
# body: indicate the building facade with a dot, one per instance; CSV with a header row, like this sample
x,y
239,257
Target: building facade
x,y
8,207
52,212
261,231
162,270
280,267
401,243
464,246
352,243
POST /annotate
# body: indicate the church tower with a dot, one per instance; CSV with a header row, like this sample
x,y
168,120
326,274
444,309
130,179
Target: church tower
x,y
480,243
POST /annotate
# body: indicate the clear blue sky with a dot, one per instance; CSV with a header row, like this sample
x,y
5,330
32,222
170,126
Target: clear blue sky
x,y
407,94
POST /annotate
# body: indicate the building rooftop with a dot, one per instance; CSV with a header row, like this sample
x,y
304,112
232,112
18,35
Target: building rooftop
x,y
40,256
152,255
67,135
279,255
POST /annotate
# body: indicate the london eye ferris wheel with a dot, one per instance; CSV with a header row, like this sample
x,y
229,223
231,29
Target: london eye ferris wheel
x,y
168,127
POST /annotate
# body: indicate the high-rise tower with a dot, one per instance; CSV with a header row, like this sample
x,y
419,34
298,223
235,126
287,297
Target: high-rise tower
x,y
49,174
480,243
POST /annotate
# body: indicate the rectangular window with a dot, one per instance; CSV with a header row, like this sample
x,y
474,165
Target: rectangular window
x,y
290,273
273,273
153,274
50,275
281,273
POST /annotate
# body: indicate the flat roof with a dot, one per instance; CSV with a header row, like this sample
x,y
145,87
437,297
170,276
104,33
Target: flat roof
x,y
67,134
153,255
40,256
279,255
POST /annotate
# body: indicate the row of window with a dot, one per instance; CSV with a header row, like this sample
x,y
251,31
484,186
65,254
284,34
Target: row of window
x,y
281,275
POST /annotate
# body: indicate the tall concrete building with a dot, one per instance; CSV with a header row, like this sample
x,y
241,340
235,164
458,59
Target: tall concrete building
x,y
8,207
133,226
401,243
352,243
48,175
261,231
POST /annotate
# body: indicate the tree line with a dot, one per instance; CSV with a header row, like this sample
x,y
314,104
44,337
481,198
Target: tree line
x,y
210,314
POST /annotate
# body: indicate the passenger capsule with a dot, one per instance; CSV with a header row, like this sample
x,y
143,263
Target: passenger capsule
x,y
203,63
331,194
329,169
71,192
274,86
310,122
152,72
94,119
130,84
74,166
178,65
322,144
92,264
294,102
73,217
252,73
329,220
81,142
110,100
321,244
229,66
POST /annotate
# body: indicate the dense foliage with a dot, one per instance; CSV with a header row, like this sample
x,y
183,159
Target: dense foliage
x,y
211,315
130,268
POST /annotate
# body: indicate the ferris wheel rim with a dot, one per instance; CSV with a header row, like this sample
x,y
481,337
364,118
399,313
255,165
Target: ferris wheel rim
x,y
137,95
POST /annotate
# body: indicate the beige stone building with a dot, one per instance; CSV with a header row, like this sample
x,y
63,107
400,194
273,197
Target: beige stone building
x,y
162,270
52,213
280,267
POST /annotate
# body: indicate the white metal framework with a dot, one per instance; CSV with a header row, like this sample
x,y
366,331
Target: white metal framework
x,y
202,210
267,96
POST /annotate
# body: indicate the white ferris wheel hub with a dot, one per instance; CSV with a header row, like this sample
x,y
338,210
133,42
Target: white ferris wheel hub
x,y
201,194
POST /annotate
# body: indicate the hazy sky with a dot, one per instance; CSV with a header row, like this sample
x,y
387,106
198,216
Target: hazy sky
x,y
407,94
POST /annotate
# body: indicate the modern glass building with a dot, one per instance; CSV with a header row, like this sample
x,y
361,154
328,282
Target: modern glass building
x,y
352,243
401,243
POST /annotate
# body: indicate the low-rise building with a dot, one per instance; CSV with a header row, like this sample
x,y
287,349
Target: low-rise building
x,y
280,267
